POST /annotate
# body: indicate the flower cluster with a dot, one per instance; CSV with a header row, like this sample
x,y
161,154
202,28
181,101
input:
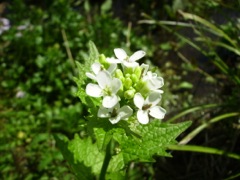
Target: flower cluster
x,y
125,88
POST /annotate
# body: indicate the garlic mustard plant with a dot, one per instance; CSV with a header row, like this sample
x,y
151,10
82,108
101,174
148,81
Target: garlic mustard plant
x,y
123,81
122,123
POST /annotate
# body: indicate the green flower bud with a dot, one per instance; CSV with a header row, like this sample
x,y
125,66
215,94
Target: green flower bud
x,y
134,78
129,94
128,83
102,59
119,74
120,91
138,72
140,85
127,75
128,70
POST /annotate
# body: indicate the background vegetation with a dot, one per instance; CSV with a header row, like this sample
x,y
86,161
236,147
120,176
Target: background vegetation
x,y
195,45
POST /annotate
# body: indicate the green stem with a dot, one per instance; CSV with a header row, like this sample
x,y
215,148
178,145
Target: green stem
x,y
106,161
196,131
203,149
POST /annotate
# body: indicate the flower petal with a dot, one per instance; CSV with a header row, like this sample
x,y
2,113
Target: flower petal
x,y
93,90
142,116
112,68
157,112
96,67
158,81
138,100
103,112
124,112
91,76
114,120
120,53
104,79
110,101
137,55
153,98
155,83
116,85
113,60
130,64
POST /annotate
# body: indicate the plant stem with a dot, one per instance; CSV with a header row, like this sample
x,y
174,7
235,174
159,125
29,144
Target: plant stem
x,y
202,149
106,161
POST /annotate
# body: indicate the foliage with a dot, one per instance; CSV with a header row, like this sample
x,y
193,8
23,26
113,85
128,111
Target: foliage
x,y
197,51
37,90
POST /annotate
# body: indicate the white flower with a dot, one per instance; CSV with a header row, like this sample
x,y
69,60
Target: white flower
x,y
4,25
123,58
97,67
115,114
153,81
106,87
148,107
20,94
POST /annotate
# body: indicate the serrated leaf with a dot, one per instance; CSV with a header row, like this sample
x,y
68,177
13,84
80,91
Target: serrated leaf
x,y
117,164
103,137
80,170
102,130
155,137
85,67
87,153
93,53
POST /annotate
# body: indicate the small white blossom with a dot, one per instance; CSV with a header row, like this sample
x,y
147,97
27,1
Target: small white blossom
x,y
115,114
124,59
148,107
20,94
154,82
97,67
106,87
4,25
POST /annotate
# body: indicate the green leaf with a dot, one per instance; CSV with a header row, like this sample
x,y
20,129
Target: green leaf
x,y
82,69
116,166
102,129
93,53
106,6
87,153
80,170
215,30
155,138
185,85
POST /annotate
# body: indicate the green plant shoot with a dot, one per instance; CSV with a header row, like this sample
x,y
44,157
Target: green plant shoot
x,y
123,119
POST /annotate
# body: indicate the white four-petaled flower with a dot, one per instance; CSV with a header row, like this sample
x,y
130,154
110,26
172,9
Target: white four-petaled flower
x,y
124,59
154,82
115,114
97,67
106,87
148,107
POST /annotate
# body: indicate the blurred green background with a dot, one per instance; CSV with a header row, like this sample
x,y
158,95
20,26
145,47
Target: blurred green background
x,y
195,46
